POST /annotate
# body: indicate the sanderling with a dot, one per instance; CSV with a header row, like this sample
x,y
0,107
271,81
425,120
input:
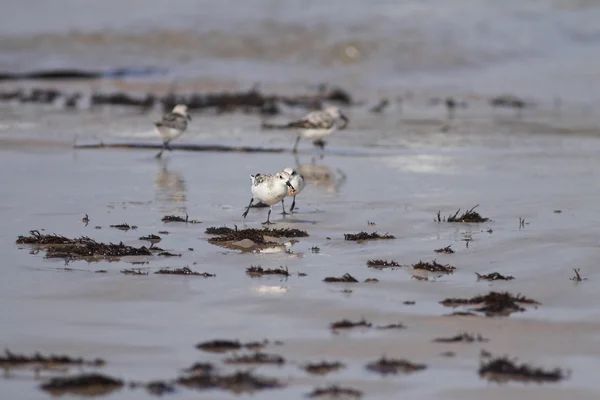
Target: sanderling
x,y
270,190
297,182
318,125
172,126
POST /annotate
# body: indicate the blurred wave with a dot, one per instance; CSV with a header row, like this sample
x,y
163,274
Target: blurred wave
x,y
400,42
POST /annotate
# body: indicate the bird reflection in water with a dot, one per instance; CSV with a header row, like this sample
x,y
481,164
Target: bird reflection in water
x,y
170,188
321,176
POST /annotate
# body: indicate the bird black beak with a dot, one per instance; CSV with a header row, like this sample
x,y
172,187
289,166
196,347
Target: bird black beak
x,y
346,121
291,190
189,117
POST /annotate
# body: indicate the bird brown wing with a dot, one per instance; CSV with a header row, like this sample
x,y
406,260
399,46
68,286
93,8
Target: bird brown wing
x,y
313,120
173,120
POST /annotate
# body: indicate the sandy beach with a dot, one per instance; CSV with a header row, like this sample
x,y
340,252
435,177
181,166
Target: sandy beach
x,y
146,326
530,171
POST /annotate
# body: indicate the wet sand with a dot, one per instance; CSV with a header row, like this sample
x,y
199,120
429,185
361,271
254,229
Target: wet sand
x,y
397,172
390,172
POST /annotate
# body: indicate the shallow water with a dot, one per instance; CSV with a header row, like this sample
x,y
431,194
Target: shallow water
x,y
146,326
396,169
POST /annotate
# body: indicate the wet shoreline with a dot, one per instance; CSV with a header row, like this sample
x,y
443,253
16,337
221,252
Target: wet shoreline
x,y
445,246
114,187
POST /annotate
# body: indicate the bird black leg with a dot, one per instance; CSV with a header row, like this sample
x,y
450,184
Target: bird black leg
x,y
320,143
165,147
283,207
293,205
295,150
248,208
268,221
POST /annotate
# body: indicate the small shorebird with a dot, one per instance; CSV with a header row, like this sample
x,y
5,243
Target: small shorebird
x,y
270,190
298,184
172,126
317,125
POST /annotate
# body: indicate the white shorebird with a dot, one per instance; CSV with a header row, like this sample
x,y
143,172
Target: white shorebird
x,y
317,125
172,126
270,190
298,184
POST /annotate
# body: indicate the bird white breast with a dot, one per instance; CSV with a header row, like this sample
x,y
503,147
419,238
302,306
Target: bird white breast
x,y
269,192
168,133
315,133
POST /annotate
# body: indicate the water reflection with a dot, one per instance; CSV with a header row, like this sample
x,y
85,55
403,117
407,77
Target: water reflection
x,y
170,188
321,176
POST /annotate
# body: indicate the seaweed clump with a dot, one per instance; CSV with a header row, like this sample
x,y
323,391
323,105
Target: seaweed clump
x,y
38,238
346,278
381,264
256,235
222,346
156,388
391,326
469,216
445,250
347,324
323,368
493,303
462,337
256,358
494,276
155,248
9,360
183,271
151,238
239,382
124,227
434,266
386,366
248,101
462,314
508,101
134,271
200,368
175,218
503,370
168,254
334,391
366,236
254,240
222,230
159,388
259,271
57,246
85,384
